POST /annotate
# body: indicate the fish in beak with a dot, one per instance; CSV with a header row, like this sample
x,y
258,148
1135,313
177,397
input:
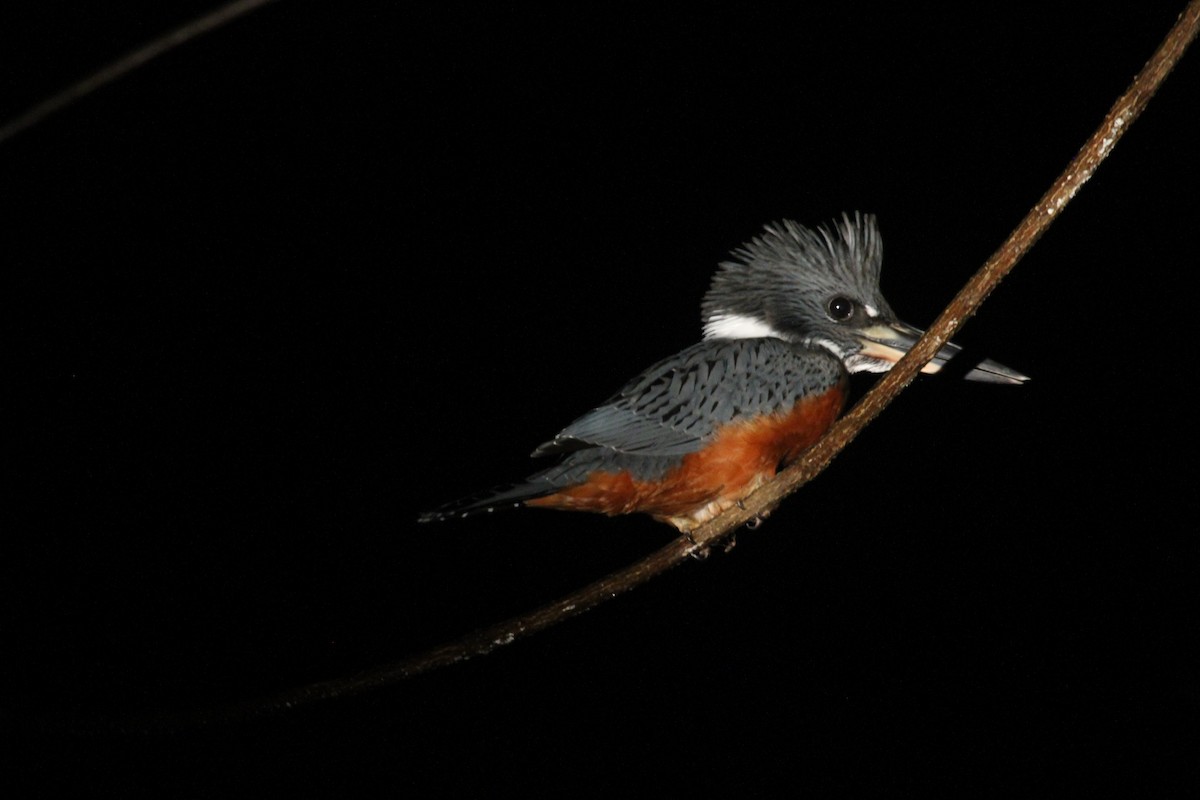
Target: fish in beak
x,y
884,345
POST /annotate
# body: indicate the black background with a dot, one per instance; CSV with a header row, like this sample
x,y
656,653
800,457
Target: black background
x,y
275,293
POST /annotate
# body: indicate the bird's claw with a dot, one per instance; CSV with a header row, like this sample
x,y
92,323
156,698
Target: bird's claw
x,y
697,552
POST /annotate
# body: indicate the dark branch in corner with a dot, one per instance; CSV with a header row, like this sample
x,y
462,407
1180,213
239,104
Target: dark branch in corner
x,y
127,63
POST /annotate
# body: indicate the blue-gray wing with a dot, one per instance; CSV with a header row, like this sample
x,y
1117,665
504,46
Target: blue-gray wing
x,y
675,405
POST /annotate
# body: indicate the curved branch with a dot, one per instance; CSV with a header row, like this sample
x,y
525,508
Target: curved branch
x,y
1123,113
127,63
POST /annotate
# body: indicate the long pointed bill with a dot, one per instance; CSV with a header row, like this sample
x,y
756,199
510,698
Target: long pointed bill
x,y
889,343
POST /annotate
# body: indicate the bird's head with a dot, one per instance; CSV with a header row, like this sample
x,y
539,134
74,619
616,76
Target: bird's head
x,y
820,288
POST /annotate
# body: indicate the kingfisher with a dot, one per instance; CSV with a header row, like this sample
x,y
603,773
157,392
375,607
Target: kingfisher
x,y
786,320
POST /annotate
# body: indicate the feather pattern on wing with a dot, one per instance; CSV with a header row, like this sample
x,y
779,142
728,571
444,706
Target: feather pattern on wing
x,y
674,406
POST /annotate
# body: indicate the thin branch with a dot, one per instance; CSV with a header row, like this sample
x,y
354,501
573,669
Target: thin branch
x,y
473,644
963,306
127,63
1120,117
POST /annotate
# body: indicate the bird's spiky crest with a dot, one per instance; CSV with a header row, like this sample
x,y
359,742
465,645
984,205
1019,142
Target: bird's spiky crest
x,y
787,257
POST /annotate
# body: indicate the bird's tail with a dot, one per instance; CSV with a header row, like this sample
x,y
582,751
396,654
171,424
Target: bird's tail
x,y
509,495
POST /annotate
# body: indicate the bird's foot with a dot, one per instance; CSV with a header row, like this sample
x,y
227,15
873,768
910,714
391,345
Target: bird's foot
x,y
756,523
697,552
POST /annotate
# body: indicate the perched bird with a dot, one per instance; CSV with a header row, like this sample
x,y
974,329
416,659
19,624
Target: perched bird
x,y
786,320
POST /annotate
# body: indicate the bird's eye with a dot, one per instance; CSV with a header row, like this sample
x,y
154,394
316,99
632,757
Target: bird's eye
x,y
840,309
